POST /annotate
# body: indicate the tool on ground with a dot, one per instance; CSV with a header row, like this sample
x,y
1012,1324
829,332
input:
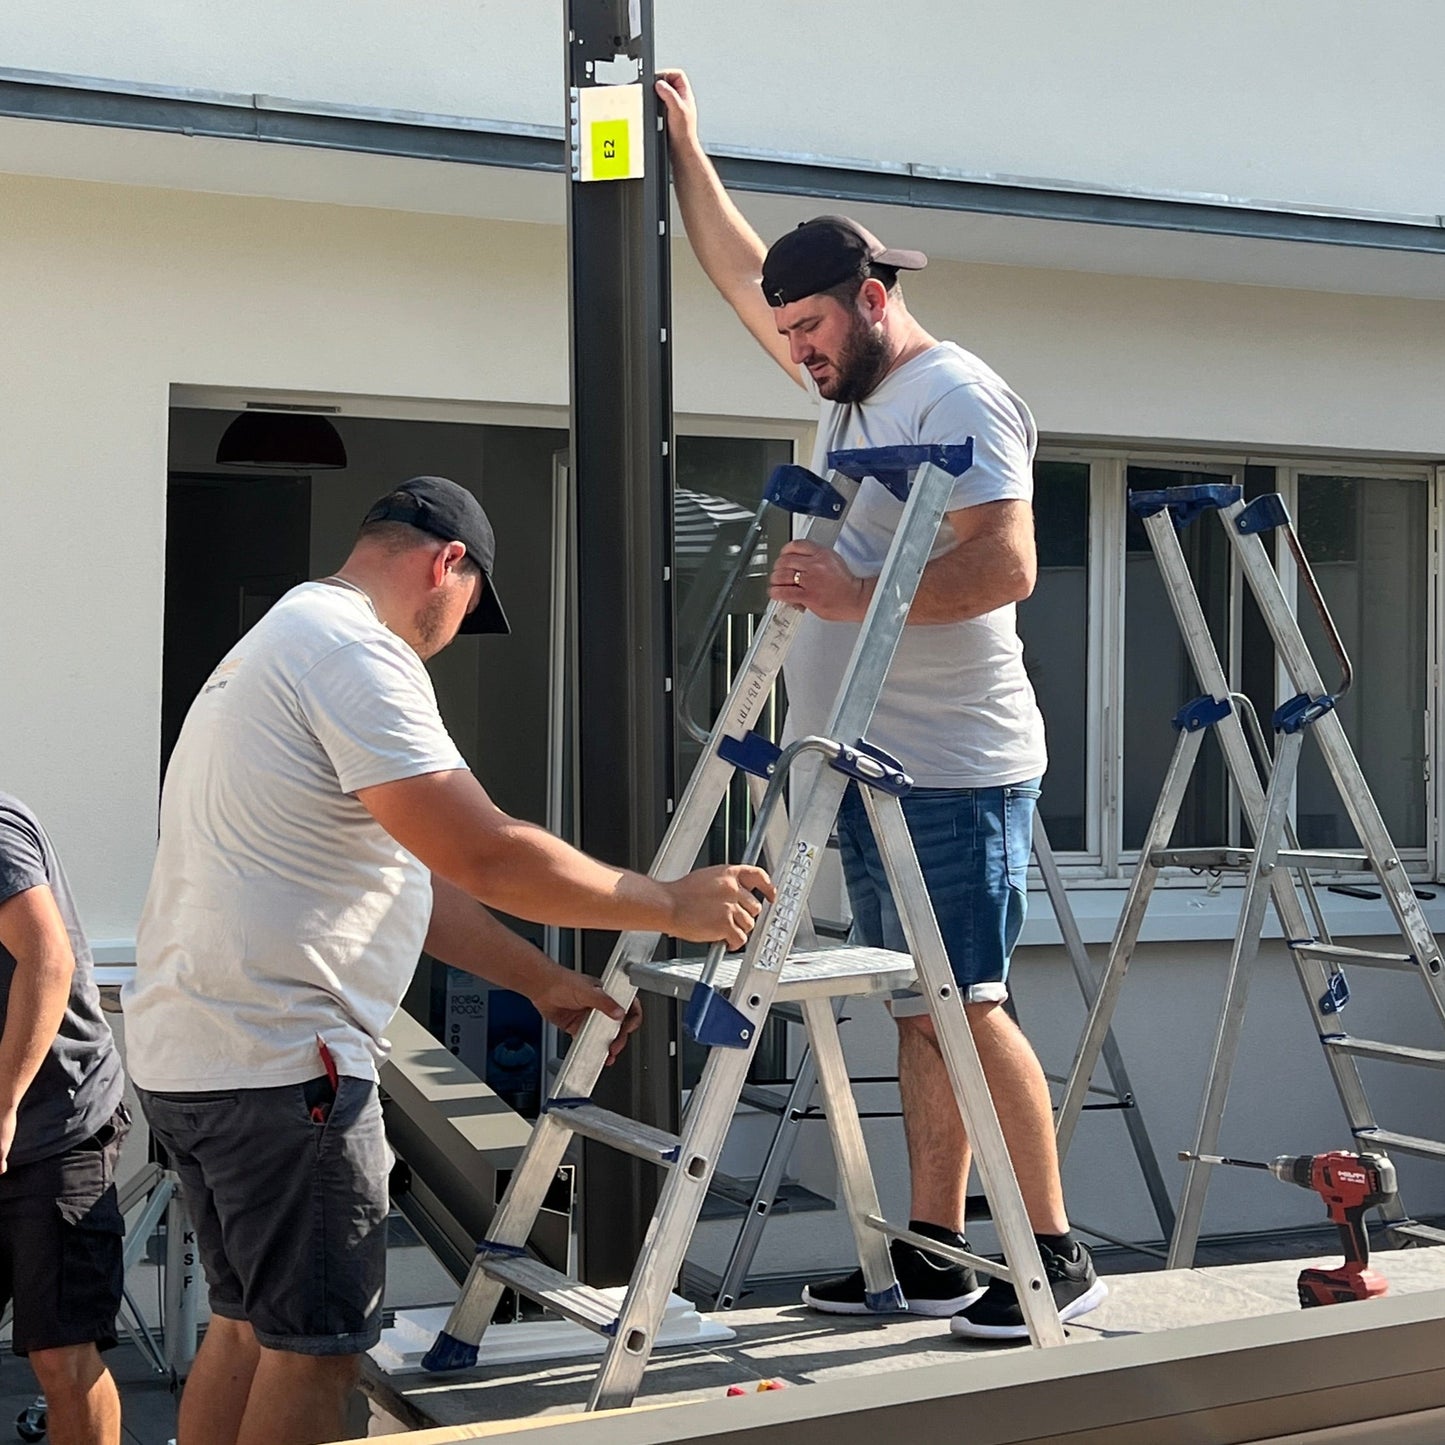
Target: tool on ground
x,y
1349,1184
1275,869
728,999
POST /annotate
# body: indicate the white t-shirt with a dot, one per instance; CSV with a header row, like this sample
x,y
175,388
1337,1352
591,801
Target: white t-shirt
x,y
957,708
279,909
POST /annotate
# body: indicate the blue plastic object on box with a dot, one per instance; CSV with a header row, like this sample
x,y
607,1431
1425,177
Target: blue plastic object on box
x,y
796,489
1184,504
449,1353
893,467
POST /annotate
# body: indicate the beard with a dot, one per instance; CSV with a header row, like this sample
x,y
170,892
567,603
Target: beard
x,y
861,365
431,626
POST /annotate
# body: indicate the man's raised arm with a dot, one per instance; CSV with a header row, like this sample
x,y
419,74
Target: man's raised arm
x,y
726,246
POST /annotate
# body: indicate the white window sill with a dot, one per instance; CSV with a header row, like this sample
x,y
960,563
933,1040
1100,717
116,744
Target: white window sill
x,y
1194,915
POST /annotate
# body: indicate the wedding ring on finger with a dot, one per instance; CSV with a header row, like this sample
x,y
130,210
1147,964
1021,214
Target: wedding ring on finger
x,y
797,579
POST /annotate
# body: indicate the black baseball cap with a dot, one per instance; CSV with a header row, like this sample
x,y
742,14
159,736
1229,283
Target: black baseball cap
x,y
445,510
824,252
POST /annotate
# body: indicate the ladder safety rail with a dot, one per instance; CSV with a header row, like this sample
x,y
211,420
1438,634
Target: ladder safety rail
x,y
790,488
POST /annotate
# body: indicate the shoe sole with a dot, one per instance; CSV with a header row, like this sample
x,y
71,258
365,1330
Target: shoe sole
x,y
1090,1299
926,1309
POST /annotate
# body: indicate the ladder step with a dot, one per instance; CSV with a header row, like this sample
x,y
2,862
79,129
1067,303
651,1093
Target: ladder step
x,y
1326,860
1406,1143
819,973
629,1135
1413,1229
1323,860
770,1098
1391,1053
558,1292
1355,957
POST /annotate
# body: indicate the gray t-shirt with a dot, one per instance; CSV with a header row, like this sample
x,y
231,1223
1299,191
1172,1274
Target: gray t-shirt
x,y
79,1083
279,909
957,708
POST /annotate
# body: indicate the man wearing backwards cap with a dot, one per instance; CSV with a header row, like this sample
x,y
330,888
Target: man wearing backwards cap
x,y
318,828
957,707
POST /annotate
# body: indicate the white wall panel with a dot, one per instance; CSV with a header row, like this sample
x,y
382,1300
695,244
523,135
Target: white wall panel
x,y
1329,102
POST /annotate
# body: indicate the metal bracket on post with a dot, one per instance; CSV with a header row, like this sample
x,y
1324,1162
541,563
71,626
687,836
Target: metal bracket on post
x,y
1202,713
1300,711
1263,514
795,489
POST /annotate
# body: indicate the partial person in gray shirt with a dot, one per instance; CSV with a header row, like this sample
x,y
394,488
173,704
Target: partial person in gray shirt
x,y
62,1123
957,709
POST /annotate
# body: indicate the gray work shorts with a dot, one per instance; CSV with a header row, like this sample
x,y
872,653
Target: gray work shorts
x,y
289,1209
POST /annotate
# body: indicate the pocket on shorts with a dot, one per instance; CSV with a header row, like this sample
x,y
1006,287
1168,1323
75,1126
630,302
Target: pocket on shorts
x,y
1020,801
92,1268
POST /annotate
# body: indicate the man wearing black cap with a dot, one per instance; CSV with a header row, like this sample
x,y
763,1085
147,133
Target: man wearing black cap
x,y
957,708
318,828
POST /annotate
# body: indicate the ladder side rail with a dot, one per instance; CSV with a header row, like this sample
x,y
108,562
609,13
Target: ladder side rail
x,y
710,1110
1089,986
1244,772
855,1176
965,1069
1126,937
770,1179
1340,758
1243,953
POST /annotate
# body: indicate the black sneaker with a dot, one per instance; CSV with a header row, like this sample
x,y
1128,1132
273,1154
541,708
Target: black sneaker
x,y
931,1287
997,1316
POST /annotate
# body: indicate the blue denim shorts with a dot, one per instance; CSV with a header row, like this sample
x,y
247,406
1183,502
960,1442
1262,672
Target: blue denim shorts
x,y
973,845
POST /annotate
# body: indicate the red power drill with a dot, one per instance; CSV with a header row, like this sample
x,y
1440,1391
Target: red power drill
x,y
1349,1184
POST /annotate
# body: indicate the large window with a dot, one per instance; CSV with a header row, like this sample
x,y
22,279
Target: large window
x,y
1110,669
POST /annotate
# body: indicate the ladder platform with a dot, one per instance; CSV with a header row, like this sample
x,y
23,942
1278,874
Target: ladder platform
x,y
643,1141
1387,1139
1355,957
558,1292
1224,860
1390,1053
822,973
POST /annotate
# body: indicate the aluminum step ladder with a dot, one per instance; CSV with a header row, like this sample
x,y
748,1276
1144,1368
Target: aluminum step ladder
x,y
1275,869
728,998
794,1106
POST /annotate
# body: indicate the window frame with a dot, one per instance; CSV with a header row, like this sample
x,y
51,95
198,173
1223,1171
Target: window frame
x,y
1105,863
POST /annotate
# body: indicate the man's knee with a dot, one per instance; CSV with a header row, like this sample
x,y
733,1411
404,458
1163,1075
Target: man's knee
x,y
67,1370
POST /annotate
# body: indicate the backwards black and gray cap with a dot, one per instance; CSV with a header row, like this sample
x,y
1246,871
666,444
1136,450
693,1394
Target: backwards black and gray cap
x,y
443,509
825,252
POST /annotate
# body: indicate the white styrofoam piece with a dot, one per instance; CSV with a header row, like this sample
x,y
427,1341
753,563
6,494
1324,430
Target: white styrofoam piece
x,y
402,1347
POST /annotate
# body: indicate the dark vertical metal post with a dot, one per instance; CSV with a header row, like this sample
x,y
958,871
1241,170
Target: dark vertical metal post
x,y
621,459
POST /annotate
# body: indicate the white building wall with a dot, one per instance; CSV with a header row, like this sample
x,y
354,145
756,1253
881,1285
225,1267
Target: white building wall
x,y
123,293
1327,102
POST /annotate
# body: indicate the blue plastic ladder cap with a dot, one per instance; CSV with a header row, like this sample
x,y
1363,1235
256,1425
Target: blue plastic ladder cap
x,y
893,467
888,1301
1336,996
1263,514
1203,712
1184,504
851,762
1300,711
752,752
449,1353
796,489
710,1020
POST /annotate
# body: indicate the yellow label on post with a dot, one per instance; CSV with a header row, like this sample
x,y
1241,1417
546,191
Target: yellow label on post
x,y
611,150
609,137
